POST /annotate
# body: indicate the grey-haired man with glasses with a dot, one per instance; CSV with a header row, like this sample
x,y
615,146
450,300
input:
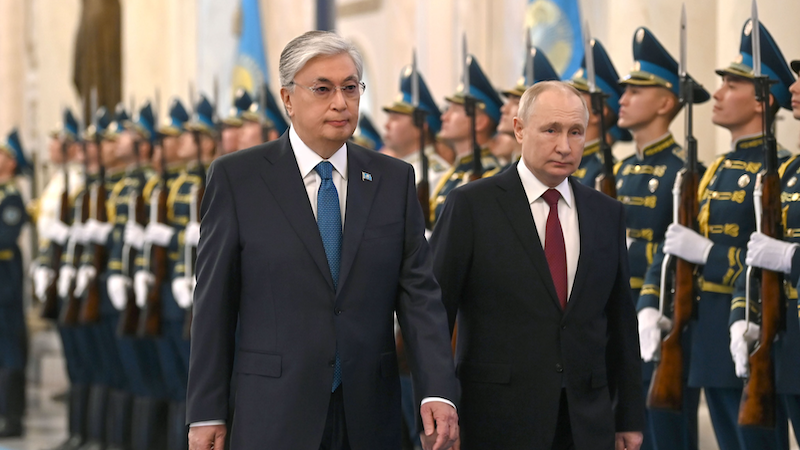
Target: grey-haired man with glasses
x,y
312,244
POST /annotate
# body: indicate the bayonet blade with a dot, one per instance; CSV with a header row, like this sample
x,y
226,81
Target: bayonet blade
x,y
93,107
756,40
465,62
529,54
682,62
414,80
589,55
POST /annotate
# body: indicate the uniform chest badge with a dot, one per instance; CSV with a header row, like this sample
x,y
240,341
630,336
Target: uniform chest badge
x,y
652,185
792,181
12,215
619,183
795,197
744,180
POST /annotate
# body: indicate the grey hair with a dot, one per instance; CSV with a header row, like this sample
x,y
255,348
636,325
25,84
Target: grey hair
x,y
529,97
311,44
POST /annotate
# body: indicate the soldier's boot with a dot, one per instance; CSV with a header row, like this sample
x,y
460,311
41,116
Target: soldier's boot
x,y
12,402
149,424
76,417
178,433
96,419
118,425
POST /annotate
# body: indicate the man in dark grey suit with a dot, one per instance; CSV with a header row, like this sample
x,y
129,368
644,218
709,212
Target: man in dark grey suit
x,y
312,244
536,267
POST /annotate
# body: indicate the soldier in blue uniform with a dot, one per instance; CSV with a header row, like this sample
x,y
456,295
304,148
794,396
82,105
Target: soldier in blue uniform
x,y
606,80
366,135
13,339
781,256
504,145
261,124
456,132
229,139
726,221
644,185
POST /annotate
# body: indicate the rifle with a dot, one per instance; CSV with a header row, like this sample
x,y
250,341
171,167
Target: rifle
x,y
423,187
129,319
50,309
604,182
470,109
666,386
758,403
90,311
190,253
156,263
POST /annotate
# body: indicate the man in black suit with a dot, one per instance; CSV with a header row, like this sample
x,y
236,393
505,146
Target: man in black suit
x,y
547,349
312,244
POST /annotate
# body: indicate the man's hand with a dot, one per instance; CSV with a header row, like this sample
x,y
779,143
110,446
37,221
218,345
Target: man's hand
x,y
207,437
629,440
440,426
687,244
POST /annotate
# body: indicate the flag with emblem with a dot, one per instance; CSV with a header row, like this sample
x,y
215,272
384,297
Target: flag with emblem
x,y
555,27
250,69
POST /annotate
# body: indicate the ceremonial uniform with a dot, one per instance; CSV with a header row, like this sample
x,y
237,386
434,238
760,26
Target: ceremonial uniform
x,y
591,164
644,185
13,338
366,135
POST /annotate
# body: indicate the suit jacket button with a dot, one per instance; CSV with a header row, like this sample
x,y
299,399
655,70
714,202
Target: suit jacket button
x,y
559,368
337,311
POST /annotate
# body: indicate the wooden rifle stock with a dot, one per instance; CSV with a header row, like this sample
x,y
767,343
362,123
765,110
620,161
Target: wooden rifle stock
x,y
90,309
129,320
50,309
187,323
605,182
150,321
71,313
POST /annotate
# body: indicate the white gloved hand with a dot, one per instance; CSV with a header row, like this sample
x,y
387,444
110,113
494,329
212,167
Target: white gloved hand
x,y
628,242
42,277
651,324
134,235
687,244
770,253
192,235
743,338
76,233
158,234
57,231
100,232
65,276
142,281
182,291
118,290
86,274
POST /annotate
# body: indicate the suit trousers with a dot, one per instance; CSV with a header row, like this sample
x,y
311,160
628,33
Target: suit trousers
x,y
563,437
335,435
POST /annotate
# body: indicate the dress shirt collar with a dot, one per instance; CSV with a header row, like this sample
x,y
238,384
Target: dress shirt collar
x,y
308,159
535,188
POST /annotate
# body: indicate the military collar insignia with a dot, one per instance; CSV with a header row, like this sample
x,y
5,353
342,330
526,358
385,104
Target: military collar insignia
x,y
659,146
591,147
748,142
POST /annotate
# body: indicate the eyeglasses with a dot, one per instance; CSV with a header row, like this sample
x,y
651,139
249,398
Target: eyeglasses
x,y
323,91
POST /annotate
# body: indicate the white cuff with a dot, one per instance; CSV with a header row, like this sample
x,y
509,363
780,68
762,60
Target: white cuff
x,y
207,423
437,399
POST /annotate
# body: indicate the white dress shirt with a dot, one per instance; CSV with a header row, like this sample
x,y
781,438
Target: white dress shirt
x,y
567,215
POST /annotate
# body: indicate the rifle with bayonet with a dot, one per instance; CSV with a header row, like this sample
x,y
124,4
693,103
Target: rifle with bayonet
x,y
90,308
758,403
605,182
678,279
423,186
50,309
470,109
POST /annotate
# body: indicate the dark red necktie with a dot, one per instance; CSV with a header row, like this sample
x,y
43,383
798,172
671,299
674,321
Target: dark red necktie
x,y
554,248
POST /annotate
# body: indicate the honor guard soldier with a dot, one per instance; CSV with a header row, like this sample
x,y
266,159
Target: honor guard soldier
x,y
606,78
230,125
645,180
366,135
504,145
261,124
13,336
403,137
782,256
457,132
726,221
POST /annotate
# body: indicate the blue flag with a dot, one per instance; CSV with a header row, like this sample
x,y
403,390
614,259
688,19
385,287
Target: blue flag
x,y
250,70
556,29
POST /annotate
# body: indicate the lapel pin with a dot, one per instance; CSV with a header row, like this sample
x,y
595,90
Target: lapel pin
x,y
366,176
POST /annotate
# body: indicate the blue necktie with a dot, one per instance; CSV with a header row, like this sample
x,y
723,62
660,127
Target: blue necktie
x,y
329,221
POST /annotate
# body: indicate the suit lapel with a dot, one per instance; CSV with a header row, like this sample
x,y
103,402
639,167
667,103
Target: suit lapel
x,y
587,240
282,177
360,194
515,204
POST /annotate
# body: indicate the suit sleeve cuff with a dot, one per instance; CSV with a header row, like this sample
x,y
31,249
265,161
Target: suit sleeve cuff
x,y
435,399
207,423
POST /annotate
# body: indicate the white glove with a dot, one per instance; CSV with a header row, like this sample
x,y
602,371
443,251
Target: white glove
x,y
770,253
118,290
76,233
134,235
42,277
651,324
142,281
182,291
158,233
743,338
86,274
65,276
100,231
687,244
57,231
192,234
628,242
